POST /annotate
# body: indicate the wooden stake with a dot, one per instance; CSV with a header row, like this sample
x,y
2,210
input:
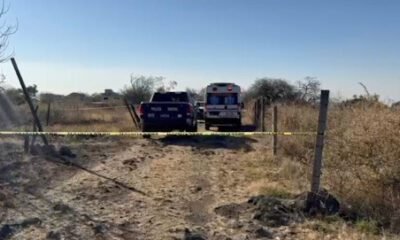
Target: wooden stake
x,y
274,130
262,103
258,113
322,123
131,113
28,99
136,116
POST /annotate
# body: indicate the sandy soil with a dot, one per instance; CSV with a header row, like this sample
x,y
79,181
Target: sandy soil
x,y
141,189
132,188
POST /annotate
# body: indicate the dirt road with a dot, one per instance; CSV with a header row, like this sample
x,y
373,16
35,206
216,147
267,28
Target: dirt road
x,y
143,188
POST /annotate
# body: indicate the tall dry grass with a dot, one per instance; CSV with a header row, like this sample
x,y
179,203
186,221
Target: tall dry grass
x,y
82,117
361,157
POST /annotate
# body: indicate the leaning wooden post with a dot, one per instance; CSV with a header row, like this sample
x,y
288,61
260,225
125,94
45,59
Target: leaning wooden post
x,y
131,113
322,123
274,130
137,118
28,99
262,102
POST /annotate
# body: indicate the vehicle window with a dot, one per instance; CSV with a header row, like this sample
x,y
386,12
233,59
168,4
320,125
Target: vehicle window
x,y
170,97
222,98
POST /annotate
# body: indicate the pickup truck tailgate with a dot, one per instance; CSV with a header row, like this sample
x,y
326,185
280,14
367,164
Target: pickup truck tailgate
x,y
164,112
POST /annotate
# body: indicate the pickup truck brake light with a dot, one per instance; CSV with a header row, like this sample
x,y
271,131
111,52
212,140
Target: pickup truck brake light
x,y
141,111
189,109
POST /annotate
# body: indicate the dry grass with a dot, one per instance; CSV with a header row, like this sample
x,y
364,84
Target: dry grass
x,y
361,166
362,156
361,159
85,117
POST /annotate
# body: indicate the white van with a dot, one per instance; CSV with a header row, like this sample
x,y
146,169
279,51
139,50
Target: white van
x,y
223,106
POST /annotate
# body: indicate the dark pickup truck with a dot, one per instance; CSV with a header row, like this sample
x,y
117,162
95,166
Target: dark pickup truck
x,y
168,111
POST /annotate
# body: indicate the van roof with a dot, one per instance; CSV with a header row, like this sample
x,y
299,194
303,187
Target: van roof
x,y
222,84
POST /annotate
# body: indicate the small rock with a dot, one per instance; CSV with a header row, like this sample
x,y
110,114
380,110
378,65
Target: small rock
x,y
196,189
272,212
30,221
53,236
321,203
232,210
188,235
60,207
263,233
66,151
99,229
235,224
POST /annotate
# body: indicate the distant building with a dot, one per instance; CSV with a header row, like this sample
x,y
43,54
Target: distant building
x,y
50,97
110,95
75,96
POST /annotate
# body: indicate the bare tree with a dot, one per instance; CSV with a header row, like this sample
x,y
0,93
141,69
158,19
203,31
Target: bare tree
x,y
196,94
309,89
142,87
6,31
171,85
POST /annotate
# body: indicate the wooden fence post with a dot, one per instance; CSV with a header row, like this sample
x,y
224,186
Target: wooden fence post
x,y
262,103
128,106
28,99
137,118
274,130
319,147
258,113
255,113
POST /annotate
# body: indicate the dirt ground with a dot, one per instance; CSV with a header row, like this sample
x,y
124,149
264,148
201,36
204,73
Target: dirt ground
x,y
167,188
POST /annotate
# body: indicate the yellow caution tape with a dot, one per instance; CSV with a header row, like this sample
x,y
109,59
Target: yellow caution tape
x,y
11,133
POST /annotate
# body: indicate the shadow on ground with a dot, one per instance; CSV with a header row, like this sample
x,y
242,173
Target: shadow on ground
x,y
210,142
214,142
248,128
26,185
